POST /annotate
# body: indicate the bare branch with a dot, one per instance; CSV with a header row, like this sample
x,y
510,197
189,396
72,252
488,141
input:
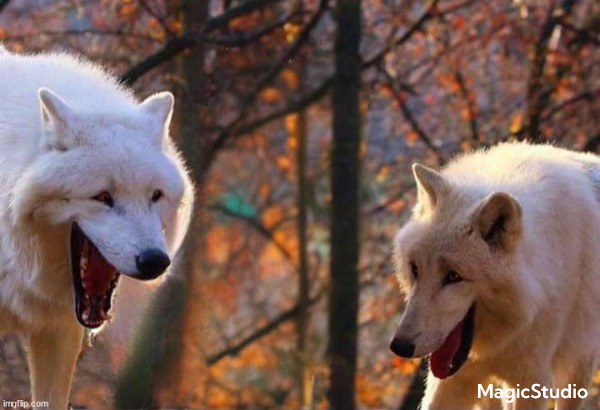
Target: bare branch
x,y
271,75
261,332
303,102
538,96
238,11
261,229
177,45
470,103
589,96
3,4
244,38
584,35
408,115
170,50
418,25
159,18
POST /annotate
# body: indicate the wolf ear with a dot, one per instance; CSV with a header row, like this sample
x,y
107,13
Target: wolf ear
x,y
57,114
159,107
498,220
54,108
430,184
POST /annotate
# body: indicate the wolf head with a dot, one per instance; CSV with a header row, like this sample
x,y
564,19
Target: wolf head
x,y
453,253
115,178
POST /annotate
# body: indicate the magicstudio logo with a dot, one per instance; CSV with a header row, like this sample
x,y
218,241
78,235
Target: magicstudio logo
x,y
536,391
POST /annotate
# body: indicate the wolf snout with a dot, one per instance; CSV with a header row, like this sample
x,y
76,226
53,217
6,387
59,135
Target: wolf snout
x,y
151,263
402,347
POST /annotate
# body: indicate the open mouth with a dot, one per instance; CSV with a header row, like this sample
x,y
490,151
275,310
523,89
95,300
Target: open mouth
x,y
94,280
453,353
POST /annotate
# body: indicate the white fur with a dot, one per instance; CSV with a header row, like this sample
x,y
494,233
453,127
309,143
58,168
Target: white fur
x,y
537,297
68,131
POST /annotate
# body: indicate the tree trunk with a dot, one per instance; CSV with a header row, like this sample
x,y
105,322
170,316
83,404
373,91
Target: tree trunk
x,y
413,397
345,171
538,91
303,320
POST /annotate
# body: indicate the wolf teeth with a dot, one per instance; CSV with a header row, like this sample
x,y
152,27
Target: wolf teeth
x,y
104,315
84,260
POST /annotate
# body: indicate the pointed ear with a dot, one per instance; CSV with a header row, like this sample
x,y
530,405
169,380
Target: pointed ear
x,y
498,220
54,109
430,184
160,107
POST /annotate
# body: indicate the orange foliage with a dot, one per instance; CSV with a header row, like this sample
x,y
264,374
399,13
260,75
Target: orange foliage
x,y
284,162
272,216
271,94
291,78
292,31
516,122
412,137
221,240
291,123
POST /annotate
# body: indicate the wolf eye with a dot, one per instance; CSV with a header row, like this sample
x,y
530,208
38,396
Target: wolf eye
x,y
414,270
156,195
105,197
452,277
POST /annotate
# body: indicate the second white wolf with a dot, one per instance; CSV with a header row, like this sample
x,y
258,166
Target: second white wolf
x,y
501,265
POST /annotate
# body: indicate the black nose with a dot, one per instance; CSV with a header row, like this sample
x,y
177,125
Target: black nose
x,y
151,263
402,347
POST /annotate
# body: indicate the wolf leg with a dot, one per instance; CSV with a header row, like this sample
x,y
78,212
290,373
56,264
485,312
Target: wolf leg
x,y
578,373
52,356
457,392
543,379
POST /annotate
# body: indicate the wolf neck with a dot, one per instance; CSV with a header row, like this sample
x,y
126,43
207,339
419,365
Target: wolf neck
x,y
48,270
506,310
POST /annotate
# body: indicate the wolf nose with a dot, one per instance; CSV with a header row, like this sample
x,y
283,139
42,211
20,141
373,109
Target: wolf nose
x,y
151,263
402,347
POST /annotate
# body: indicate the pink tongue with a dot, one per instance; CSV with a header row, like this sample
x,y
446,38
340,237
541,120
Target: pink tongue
x,y
441,359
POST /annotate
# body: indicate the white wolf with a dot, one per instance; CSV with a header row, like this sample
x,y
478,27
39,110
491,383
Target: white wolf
x,y
90,188
500,262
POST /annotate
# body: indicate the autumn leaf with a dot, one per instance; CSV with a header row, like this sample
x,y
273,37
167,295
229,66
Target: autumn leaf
x,y
270,94
515,123
265,190
292,31
128,10
386,90
383,173
284,162
412,137
406,366
291,78
272,216
291,123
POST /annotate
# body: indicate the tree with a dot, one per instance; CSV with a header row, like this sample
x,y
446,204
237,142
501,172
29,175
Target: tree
x,y
344,229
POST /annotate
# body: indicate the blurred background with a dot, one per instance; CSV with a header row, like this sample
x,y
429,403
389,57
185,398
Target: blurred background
x,y
300,120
